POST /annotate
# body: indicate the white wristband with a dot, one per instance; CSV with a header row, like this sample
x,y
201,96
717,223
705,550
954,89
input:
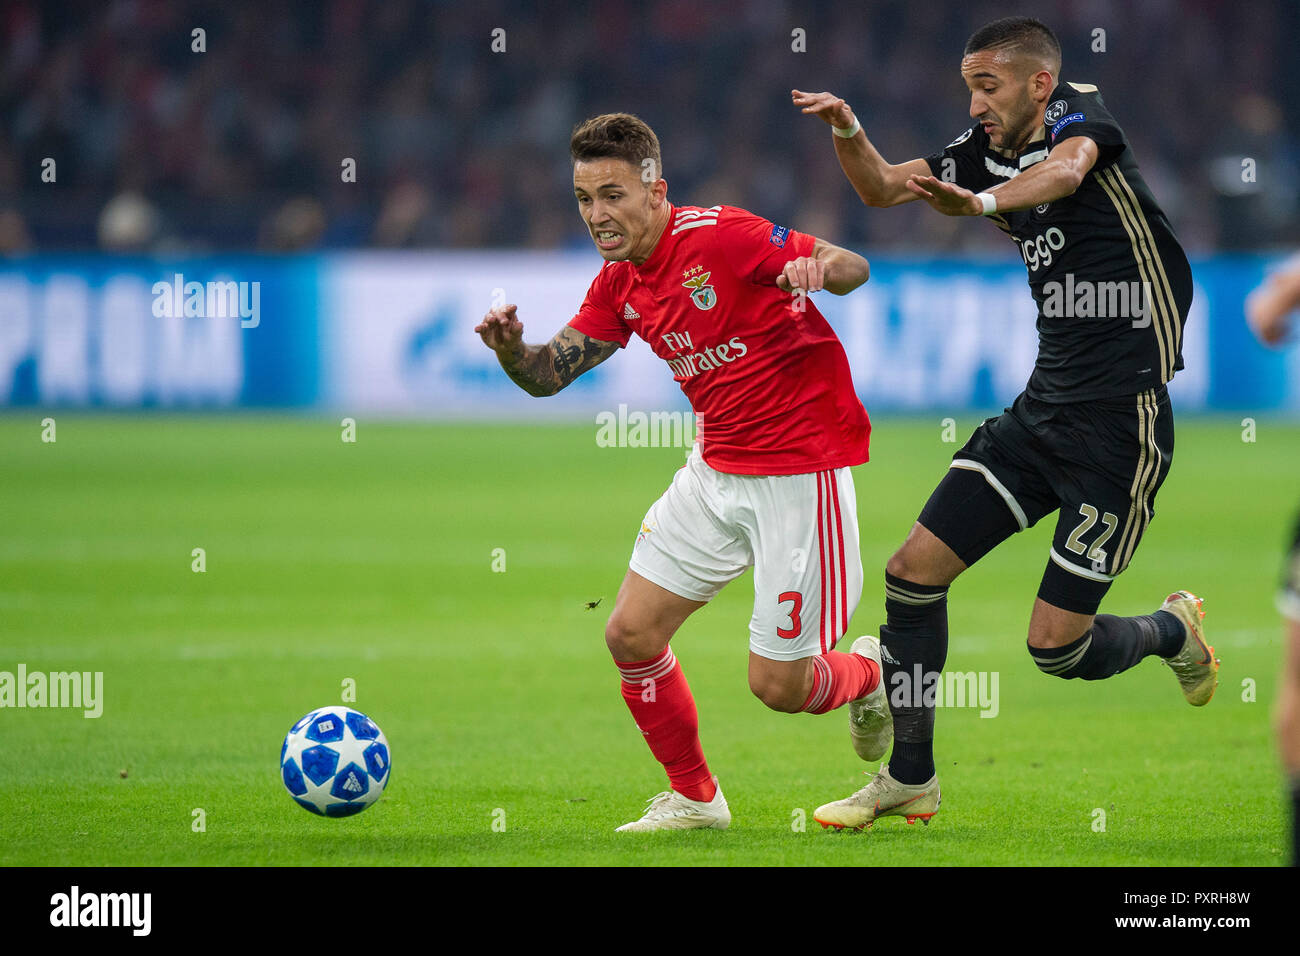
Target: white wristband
x,y
847,132
990,203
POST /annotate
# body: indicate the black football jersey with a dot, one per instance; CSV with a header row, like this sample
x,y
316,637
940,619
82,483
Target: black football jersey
x,y
1112,284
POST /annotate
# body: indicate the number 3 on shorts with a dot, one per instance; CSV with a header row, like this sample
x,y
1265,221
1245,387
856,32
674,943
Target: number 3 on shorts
x,y
796,626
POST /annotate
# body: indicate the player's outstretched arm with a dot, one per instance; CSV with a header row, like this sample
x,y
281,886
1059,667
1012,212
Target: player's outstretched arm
x,y
1056,177
876,182
836,270
540,369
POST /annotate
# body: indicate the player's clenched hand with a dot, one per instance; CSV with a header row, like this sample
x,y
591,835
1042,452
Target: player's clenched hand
x,y
827,106
804,273
500,330
948,198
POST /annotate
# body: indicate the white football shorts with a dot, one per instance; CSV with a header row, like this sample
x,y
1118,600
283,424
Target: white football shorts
x,y
798,532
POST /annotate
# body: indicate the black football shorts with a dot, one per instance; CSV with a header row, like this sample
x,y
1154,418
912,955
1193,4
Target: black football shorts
x,y
1098,463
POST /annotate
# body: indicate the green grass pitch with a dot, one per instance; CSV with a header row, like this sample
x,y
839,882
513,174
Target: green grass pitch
x,y
373,561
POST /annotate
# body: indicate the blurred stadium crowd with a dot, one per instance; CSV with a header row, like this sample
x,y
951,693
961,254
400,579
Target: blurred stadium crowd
x,y
159,148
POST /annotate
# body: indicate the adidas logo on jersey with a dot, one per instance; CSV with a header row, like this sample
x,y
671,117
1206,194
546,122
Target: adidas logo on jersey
x,y
630,313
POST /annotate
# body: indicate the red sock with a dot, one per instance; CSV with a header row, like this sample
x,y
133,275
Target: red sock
x,y
839,678
664,710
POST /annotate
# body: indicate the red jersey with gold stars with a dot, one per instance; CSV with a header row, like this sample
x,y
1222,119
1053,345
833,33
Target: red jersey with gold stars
x,y
769,381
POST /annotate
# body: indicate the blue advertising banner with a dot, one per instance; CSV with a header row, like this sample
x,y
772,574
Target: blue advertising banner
x,y
391,334
126,333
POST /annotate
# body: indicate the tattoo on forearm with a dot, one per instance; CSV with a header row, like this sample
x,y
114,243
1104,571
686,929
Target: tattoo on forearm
x,y
575,353
528,374
566,357
545,369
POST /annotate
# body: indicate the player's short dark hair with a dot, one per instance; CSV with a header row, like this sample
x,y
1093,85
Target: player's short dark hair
x,y
1023,35
617,136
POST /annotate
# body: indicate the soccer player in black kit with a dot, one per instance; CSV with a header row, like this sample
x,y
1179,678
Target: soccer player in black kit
x,y
1092,435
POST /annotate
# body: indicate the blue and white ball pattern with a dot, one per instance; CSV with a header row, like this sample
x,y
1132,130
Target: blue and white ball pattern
x,y
334,761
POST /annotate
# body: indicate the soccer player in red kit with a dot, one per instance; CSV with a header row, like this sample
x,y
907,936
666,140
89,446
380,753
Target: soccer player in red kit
x,y
721,296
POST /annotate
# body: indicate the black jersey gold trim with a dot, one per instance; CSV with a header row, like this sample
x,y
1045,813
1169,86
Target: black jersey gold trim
x,y
1161,306
1145,479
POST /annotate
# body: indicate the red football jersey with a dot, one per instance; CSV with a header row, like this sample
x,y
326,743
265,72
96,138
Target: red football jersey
x,y
770,385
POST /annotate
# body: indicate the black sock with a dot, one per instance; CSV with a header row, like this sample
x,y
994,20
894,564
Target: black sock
x,y
1113,644
1172,633
915,639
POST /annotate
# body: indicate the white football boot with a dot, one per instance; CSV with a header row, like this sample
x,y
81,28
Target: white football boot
x,y
871,725
882,797
671,811
1195,665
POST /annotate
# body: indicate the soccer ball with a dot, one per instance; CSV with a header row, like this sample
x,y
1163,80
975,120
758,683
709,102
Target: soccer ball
x,y
334,761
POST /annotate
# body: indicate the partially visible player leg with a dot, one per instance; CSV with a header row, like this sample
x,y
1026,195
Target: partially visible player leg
x,y
645,618
1288,692
916,635
813,685
970,512
682,558
975,515
1288,725
992,490
780,685
803,532
1068,639
1109,460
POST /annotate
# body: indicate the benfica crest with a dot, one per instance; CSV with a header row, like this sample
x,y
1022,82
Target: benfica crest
x,y
702,293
